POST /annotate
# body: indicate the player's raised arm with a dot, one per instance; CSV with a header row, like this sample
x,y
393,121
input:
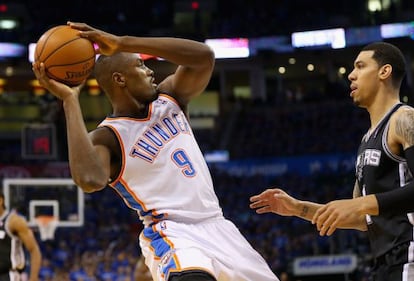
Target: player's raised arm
x,y
89,164
195,60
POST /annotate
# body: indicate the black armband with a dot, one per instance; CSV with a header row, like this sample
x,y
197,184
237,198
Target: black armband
x,y
401,200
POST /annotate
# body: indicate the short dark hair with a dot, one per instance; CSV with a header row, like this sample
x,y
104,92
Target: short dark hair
x,y
387,53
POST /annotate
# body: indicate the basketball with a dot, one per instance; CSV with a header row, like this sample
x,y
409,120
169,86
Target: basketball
x,y
68,58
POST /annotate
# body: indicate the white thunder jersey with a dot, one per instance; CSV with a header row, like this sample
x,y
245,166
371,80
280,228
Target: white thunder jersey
x,y
164,174
165,178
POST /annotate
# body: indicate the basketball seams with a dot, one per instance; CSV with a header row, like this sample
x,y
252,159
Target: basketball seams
x,y
69,64
49,71
56,29
58,79
66,59
61,46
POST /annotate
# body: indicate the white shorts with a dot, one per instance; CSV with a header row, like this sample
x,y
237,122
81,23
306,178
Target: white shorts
x,y
215,246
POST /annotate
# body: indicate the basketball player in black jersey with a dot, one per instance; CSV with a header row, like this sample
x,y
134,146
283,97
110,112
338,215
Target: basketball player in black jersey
x,y
383,190
14,235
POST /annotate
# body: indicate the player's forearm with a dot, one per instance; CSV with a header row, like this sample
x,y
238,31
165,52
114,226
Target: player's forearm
x,y
35,264
306,209
86,168
368,205
180,51
358,224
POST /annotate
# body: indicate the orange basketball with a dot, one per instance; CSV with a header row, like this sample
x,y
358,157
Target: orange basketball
x,y
68,58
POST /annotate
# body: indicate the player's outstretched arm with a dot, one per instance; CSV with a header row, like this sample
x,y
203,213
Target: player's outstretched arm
x,y
279,202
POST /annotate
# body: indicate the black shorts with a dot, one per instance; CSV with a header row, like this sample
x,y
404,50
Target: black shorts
x,y
4,276
390,266
193,275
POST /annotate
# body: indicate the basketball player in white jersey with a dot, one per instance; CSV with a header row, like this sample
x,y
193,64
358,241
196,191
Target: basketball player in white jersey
x,y
147,152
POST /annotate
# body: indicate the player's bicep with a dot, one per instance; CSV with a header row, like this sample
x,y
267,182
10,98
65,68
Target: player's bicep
x,y
19,226
404,127
186,83
108,149
104,155
102,140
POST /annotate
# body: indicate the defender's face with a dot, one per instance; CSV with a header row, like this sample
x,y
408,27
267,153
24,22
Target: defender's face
x,y
364,79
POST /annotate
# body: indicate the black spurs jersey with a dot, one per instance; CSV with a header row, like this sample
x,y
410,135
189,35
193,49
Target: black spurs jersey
x,y
11,247
378,170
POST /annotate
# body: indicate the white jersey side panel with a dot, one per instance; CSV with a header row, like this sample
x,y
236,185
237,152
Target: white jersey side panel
x,y
164,175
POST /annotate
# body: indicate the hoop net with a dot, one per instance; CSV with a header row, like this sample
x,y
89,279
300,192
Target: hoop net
x,y
47,226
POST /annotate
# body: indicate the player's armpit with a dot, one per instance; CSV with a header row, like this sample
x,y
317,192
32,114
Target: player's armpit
x,y
357,191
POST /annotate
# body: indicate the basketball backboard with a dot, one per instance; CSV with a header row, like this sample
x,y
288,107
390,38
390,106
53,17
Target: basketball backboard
x,y
58,197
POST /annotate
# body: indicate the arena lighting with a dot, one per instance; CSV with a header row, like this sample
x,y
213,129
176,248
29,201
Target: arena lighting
x,y
362,35
31,48
93,87
395,30
11,50
335,38
225,48
2,83
37,89
279,44
8,24
195,5
3,8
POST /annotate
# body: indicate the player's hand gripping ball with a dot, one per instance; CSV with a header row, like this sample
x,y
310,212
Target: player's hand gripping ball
x,y
68,58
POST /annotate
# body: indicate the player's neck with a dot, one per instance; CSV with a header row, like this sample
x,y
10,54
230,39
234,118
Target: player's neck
x,y
377,113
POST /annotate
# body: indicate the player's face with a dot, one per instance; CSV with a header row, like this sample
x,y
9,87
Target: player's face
x,y
364,79
140,80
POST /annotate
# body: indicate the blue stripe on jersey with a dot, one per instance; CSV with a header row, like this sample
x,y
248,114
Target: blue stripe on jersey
x,y
170,265
134,204
161,249
157,242
122,190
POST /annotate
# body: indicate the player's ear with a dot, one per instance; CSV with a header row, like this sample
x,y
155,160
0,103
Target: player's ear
x,y
385,71
118,78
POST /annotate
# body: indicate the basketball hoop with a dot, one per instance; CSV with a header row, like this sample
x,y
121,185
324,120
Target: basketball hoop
x,y
47,226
